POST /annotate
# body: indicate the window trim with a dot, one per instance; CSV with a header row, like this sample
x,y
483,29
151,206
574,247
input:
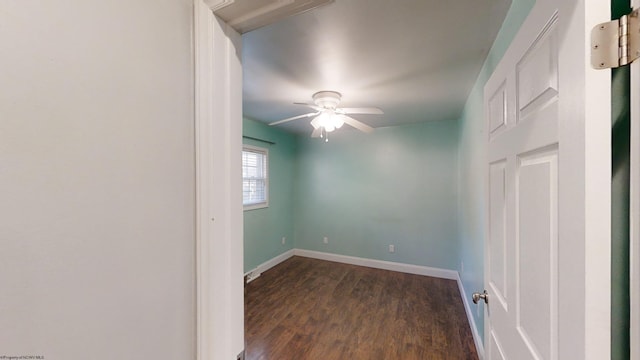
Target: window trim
x,y
265,152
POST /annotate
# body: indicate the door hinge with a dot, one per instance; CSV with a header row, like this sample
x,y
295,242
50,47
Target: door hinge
x,y
616,43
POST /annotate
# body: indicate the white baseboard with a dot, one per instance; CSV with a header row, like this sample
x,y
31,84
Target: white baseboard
x,y
255,273
472,323
379,264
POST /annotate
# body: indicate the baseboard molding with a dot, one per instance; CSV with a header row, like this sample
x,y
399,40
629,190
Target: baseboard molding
x,y
255,273
472,323
379,264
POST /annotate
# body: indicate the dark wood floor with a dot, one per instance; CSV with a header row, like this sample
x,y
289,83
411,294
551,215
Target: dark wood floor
x,y
312,309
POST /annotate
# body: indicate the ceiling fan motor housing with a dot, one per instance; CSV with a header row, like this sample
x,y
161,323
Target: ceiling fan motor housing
x,y
327,99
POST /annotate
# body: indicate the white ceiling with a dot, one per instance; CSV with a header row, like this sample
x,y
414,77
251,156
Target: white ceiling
x,y
415,59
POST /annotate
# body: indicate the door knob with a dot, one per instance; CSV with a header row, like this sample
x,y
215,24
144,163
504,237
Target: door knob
x,y
477,296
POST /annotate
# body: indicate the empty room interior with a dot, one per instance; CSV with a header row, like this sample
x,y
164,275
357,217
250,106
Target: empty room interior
x,y
403,192
316,179
404,195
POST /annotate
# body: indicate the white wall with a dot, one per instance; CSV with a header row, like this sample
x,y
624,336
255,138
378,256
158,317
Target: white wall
x,y
97,179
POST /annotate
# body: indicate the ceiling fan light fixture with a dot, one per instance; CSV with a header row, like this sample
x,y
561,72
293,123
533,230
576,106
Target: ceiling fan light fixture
x,y
338,121
328,116
328,120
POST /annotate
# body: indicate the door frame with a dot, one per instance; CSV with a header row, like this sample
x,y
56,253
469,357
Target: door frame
x,y
219,229
218,134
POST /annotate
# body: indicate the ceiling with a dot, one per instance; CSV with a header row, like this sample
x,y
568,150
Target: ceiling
x,y
414,59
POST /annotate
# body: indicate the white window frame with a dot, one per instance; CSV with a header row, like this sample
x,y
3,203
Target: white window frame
x,y
265,152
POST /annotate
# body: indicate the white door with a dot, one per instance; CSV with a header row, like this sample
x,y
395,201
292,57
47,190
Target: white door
x,y
547,248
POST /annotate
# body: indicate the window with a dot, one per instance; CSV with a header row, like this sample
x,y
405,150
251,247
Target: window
x,y
255,180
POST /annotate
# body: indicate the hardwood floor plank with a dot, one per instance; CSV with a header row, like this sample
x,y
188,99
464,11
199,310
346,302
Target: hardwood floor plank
x,y
312,309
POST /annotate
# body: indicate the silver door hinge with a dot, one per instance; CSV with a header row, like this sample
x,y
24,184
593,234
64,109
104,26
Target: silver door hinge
x,y
616,43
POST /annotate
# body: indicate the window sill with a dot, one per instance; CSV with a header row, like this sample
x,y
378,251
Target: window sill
x,y
256,206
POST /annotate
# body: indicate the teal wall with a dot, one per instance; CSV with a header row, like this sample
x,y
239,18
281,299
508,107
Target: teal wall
x,y
471,191
264,228
397,185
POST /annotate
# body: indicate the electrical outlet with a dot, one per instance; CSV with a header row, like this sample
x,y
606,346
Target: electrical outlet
x,y
325,240
284,240
392,248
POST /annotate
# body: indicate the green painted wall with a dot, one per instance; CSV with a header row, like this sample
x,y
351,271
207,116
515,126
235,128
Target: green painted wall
x,y
397,185
264,228
620,140
471,191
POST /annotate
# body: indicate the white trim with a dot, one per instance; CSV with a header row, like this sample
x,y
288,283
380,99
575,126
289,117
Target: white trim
x,y
379,264
472,323
266,10
216,5
218,136
594,146
247,15
202,58
258,270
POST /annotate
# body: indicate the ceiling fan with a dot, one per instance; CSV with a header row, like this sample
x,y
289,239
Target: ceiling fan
x,y
329,117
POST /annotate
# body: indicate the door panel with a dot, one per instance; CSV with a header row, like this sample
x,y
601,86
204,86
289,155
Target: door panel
x,y
537,73
545,151
497,353
497,232
498,110
536,244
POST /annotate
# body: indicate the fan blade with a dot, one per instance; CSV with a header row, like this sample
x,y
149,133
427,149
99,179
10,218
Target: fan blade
x,y
367,111
316,132
316,108
293,118
357,124
316,122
